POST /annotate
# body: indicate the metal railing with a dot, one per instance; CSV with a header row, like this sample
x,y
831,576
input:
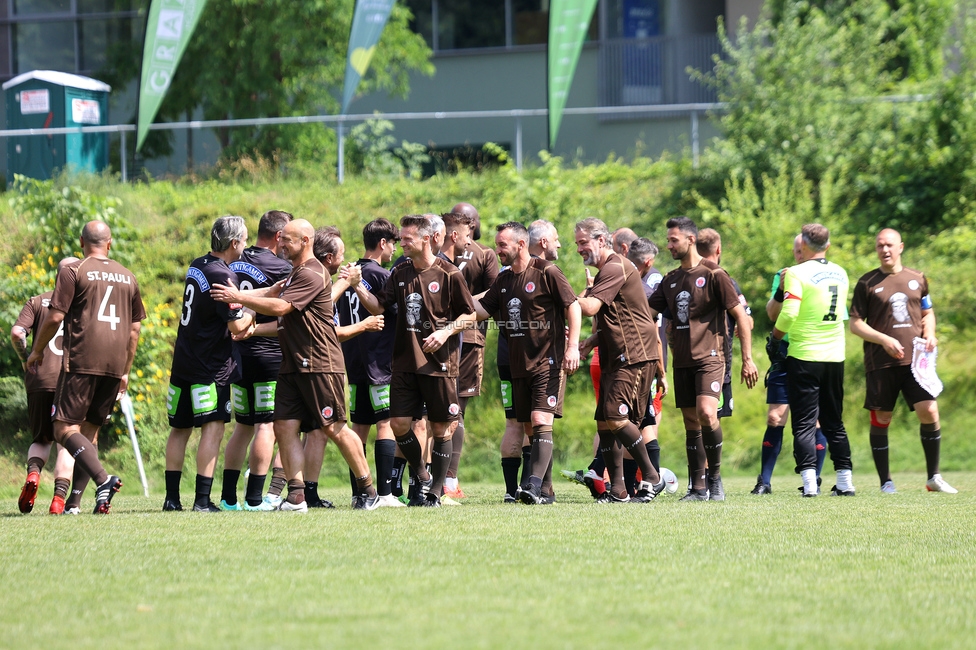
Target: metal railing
x,y
517,115
637,72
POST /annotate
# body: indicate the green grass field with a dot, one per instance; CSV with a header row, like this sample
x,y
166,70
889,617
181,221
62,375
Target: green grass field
x,y
753,572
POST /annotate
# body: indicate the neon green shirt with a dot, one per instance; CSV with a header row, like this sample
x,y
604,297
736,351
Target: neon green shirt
x,y
814,310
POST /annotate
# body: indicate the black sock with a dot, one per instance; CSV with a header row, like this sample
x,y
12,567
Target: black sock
x,y
771,445
204,487
597,465
713,450
630,475
931,439
613,455
254,493
695,449
384,451
228,491
526,464
440,460
654,454
399,464
411,450
278,481
878,437
173,485
510,470
312,491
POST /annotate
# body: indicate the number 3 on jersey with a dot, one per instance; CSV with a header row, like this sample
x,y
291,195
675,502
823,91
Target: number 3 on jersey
x,y
187,304
110,317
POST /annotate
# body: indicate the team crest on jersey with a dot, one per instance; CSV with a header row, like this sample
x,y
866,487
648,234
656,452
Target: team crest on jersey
x,y
913,284
551,401
530,287
434,287
623,410
700,282
715,387
453,409
327,413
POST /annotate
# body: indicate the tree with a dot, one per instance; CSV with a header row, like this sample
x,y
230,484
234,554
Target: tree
x,y
274,58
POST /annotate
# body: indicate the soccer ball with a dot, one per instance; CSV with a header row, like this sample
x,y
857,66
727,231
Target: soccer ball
x,y
670,480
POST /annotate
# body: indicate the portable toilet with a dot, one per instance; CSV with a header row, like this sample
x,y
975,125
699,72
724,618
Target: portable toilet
x,y
48,99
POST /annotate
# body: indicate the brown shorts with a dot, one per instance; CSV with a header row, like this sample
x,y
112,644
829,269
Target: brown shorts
x,y
316,398
884,384
542,391
624,393
470,370
39,411
409,392
85,398
703,379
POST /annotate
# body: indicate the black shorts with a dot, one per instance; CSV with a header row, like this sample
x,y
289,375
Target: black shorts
x,y
410,392
40,408
470,370
776,392
318,398
505,381
703,379
725,404
884,384
190,406
624,393
253,396
85,398
369,404
543,391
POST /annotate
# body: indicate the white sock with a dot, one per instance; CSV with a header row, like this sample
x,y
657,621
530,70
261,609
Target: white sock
x,y
809,477
451,483
844,482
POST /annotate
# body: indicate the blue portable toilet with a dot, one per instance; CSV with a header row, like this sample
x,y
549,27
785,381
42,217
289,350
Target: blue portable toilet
x,y
49,99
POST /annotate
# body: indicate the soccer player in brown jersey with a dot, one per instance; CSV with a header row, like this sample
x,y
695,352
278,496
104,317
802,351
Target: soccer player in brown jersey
x,y
204,364
629,357
98,301
697,296
533,301
479,266
709,245
890,309
433,305
40,388
311,382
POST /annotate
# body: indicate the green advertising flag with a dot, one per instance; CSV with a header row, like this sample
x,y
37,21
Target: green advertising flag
x,y
569,21
367,27
168,30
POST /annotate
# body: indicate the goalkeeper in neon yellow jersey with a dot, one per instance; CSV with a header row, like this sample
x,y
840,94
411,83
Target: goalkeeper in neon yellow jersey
x,y
813,314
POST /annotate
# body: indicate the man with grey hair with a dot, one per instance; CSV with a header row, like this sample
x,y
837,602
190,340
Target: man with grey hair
x,y
813,314
205,364
621,240
544,240
630,355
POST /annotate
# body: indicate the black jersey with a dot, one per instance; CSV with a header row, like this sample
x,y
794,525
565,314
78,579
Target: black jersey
x,y
369,356
260,268
203,351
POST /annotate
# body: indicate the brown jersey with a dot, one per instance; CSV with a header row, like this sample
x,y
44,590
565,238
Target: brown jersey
x,y
891,303
32,317
100,299
626,333
478,265
307,333
426,301
696,301
531,307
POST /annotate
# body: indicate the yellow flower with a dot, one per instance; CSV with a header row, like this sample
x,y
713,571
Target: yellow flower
x,y
140,397
138,373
